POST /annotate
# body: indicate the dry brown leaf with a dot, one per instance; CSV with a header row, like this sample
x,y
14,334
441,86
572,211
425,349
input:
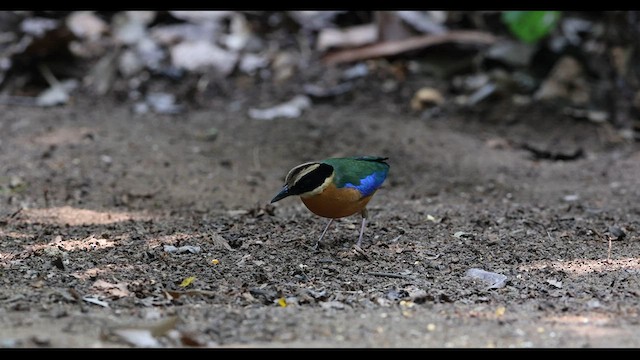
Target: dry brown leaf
x,y
219,240
114,290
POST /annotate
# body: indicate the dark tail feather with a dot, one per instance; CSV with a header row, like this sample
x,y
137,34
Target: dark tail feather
x,y
373,158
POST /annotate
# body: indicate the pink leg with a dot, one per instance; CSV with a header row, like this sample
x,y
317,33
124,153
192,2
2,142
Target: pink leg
x,y
324,232
365,215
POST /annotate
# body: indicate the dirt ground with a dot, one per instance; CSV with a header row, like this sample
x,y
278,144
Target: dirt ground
x,y
93,196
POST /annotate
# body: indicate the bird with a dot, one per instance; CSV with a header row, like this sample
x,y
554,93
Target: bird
x,y
336,187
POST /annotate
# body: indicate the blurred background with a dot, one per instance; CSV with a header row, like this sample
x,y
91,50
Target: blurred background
x,y
428,62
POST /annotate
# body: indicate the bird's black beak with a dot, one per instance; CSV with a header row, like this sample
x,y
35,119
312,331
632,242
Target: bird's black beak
x,y
282,194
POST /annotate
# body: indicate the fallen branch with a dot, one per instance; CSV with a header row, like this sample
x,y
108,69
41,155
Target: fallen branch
x,y
388,48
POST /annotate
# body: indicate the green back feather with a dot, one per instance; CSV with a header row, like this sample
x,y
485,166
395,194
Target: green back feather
x,y
366,173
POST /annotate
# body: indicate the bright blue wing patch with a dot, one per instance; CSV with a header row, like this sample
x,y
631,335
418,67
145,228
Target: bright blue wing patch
x,y
369,184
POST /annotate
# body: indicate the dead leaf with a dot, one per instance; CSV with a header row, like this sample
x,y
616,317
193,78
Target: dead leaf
x,y
565,81
145,335
189,339
460,234
199,56
188,281
282,302
555,283
114,290
137,337
95,301
494,280
220,240
424,21
85,24
201,16
182,249
348,37
290,109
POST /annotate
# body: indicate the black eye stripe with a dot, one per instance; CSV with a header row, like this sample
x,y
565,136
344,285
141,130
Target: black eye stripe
x,y
312,180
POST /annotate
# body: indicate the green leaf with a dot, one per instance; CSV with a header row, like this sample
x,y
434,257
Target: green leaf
x,y
531,26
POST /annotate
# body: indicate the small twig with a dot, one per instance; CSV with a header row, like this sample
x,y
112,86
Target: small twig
x,y
386,274
48,75
432,256
11,216
15,213
328,261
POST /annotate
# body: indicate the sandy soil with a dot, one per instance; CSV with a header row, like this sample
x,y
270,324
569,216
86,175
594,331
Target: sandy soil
x,y
92,194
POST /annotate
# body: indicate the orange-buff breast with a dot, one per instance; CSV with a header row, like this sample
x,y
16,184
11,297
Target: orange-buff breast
x,y
336,203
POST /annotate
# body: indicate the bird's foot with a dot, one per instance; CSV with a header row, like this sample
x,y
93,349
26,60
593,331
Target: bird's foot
x,y
359,251
316,246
